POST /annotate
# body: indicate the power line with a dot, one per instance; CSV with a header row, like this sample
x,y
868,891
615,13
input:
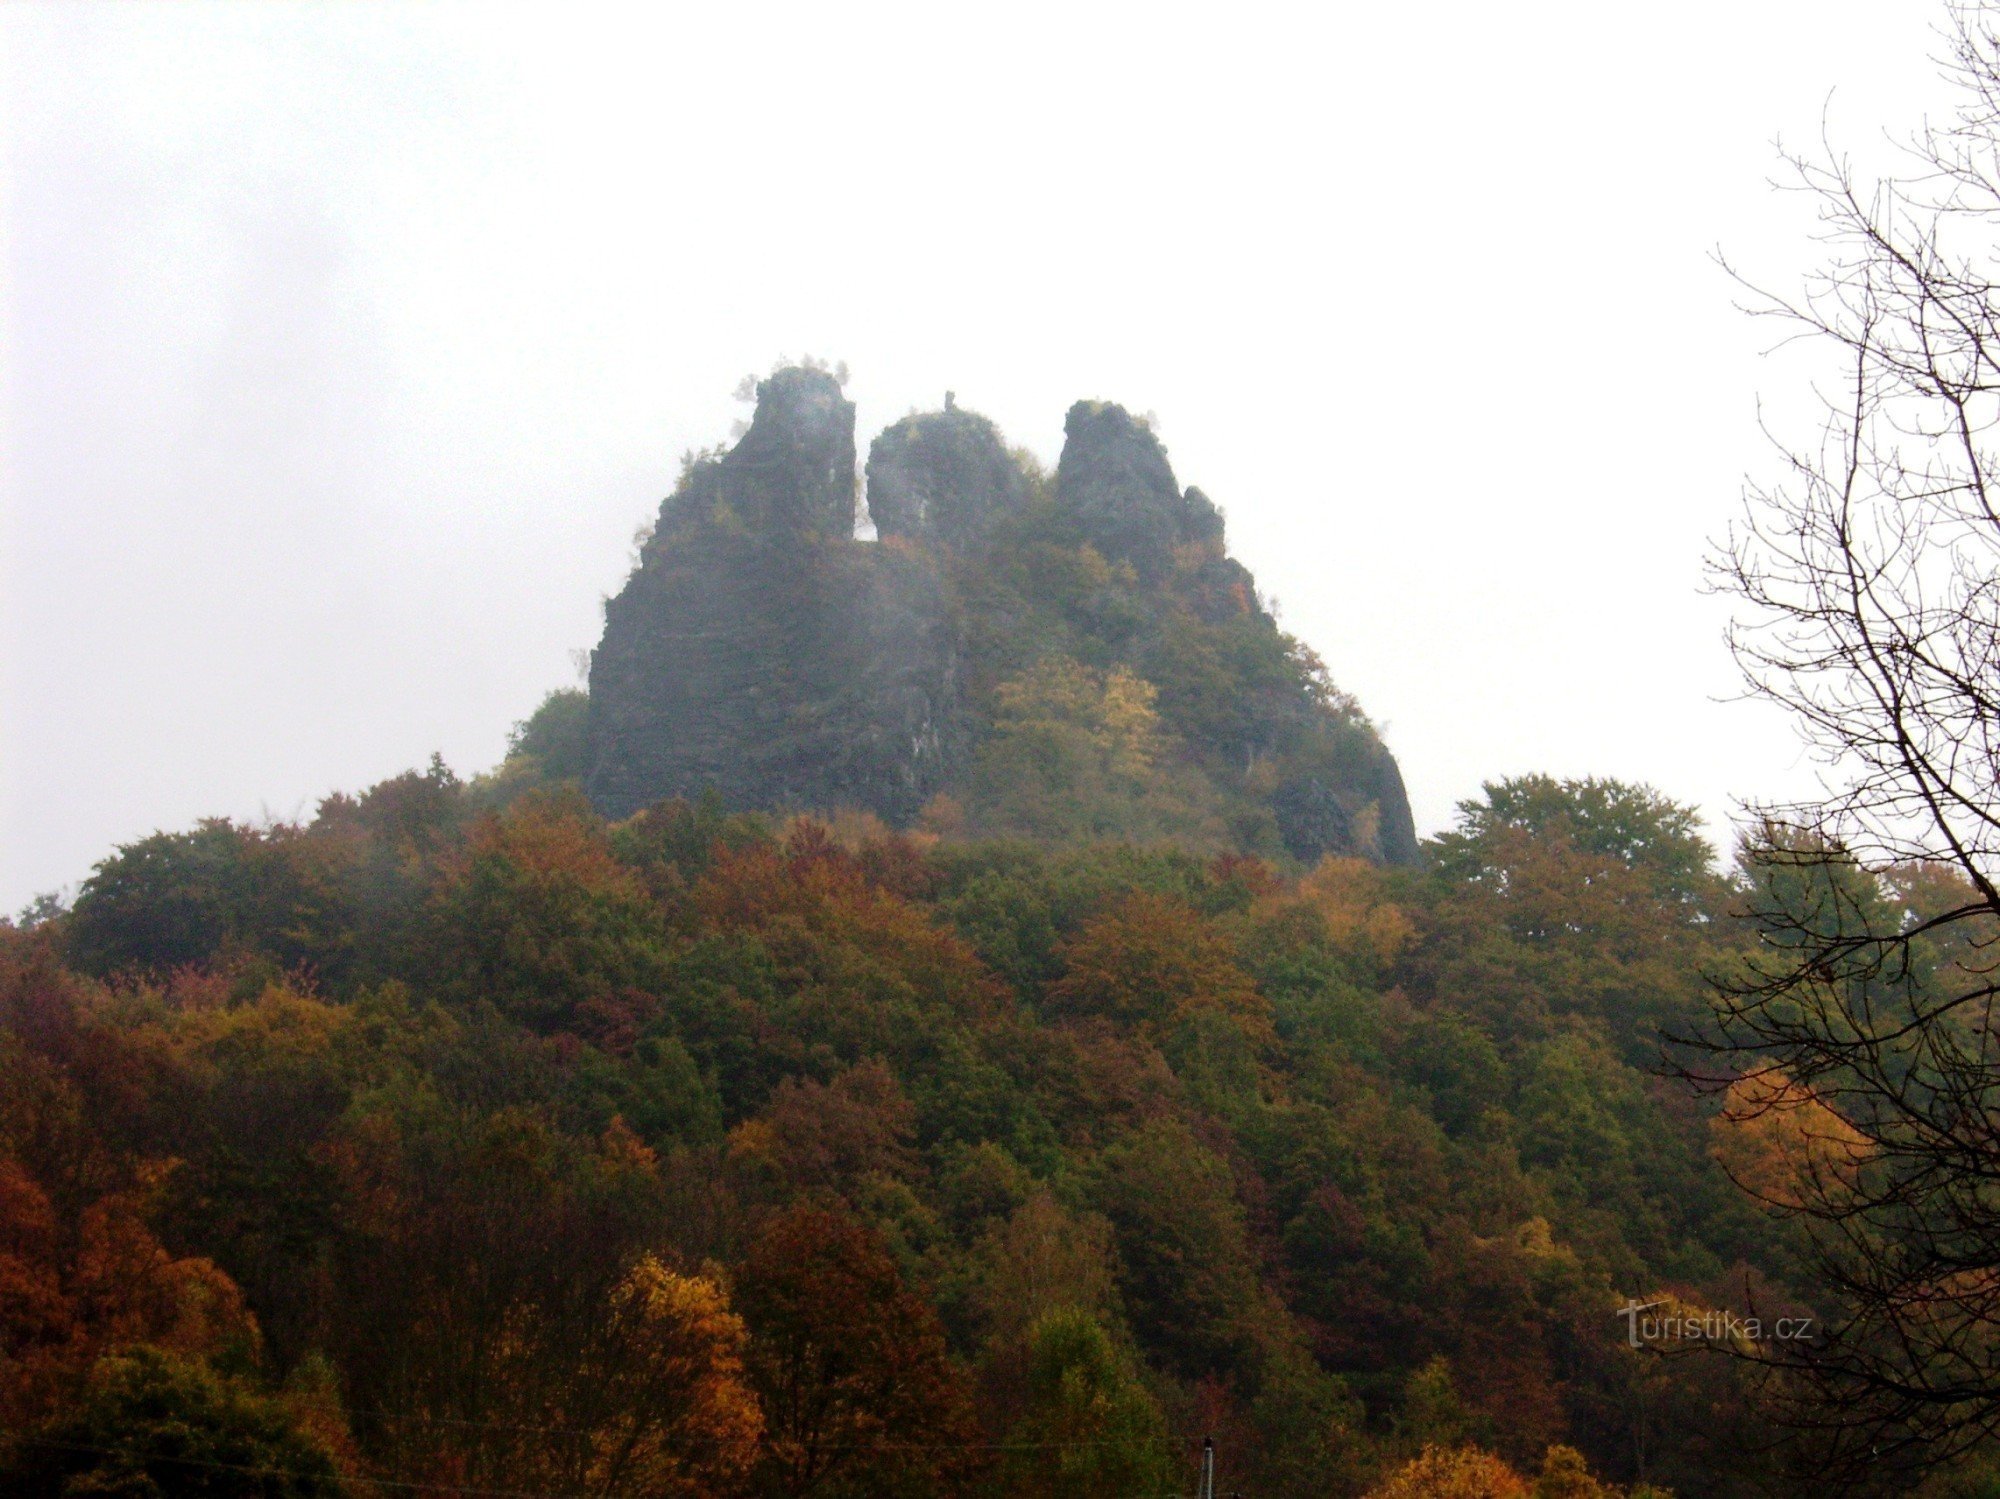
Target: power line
x,y
414,1418
133,1455
413,1485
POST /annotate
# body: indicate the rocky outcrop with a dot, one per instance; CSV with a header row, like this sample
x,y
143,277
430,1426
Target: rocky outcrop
x,y
942,477
1116,485
760,651
1396,828
1115,481
794,469
1345,794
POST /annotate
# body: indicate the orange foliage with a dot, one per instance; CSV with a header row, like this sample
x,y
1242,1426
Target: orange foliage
x,y
1347,894
1468,1473
550,840
1779,1140
70,1291
38,1322
1149,962
688,1421
850,1361
834,934
830,1136
537,915
1454,1473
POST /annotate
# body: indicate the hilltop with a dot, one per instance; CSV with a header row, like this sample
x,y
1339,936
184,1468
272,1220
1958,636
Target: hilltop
x,y
1014,653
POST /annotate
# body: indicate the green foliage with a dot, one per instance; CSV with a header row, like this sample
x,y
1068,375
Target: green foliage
x,y
538,916
1243,742
555,737
167,901
1586,900
152,1426
1073,750
940,1153
655,1088
1632,825
1090,1430
1187,1276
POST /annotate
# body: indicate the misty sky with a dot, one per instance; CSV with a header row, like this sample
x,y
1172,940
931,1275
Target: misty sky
x,y
344,348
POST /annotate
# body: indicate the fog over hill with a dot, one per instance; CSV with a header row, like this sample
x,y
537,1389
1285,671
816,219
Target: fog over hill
x,y
1058,656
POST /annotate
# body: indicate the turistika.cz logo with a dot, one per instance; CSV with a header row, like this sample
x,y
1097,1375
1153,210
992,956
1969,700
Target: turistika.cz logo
x,y
1648,1327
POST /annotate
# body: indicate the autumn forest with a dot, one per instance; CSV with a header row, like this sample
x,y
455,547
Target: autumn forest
x,y
464,1140
955,1003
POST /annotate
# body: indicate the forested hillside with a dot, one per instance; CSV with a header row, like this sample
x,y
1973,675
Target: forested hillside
x,y
958,1013
461,1141
954,1000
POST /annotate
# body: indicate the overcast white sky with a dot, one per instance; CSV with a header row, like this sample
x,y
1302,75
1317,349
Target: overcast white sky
x,y
344,347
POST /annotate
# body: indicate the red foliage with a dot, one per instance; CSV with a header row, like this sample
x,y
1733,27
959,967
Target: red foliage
x,y
827,1137
857,1390
1149,962
72,1288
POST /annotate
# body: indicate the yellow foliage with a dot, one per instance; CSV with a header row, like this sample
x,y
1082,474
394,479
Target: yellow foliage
x,y
1081,753
695,1423
1565,1475
754,1141
1042,1259
1779,1140
1453,1473
850,828
277,1022
624,1150
1666,1319
1468,1473
942,817
1537,1241
1112,712
1347,895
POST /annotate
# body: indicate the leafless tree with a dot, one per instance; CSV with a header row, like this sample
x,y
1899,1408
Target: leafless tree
x,y
1867,575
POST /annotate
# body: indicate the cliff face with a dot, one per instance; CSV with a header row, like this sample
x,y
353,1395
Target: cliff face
x,y
762,652
1115,479
793,471
942,477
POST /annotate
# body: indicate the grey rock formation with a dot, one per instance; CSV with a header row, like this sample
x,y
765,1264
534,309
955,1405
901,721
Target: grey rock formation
x,y
760,651
1115,481
793,471
1396,834
942,476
